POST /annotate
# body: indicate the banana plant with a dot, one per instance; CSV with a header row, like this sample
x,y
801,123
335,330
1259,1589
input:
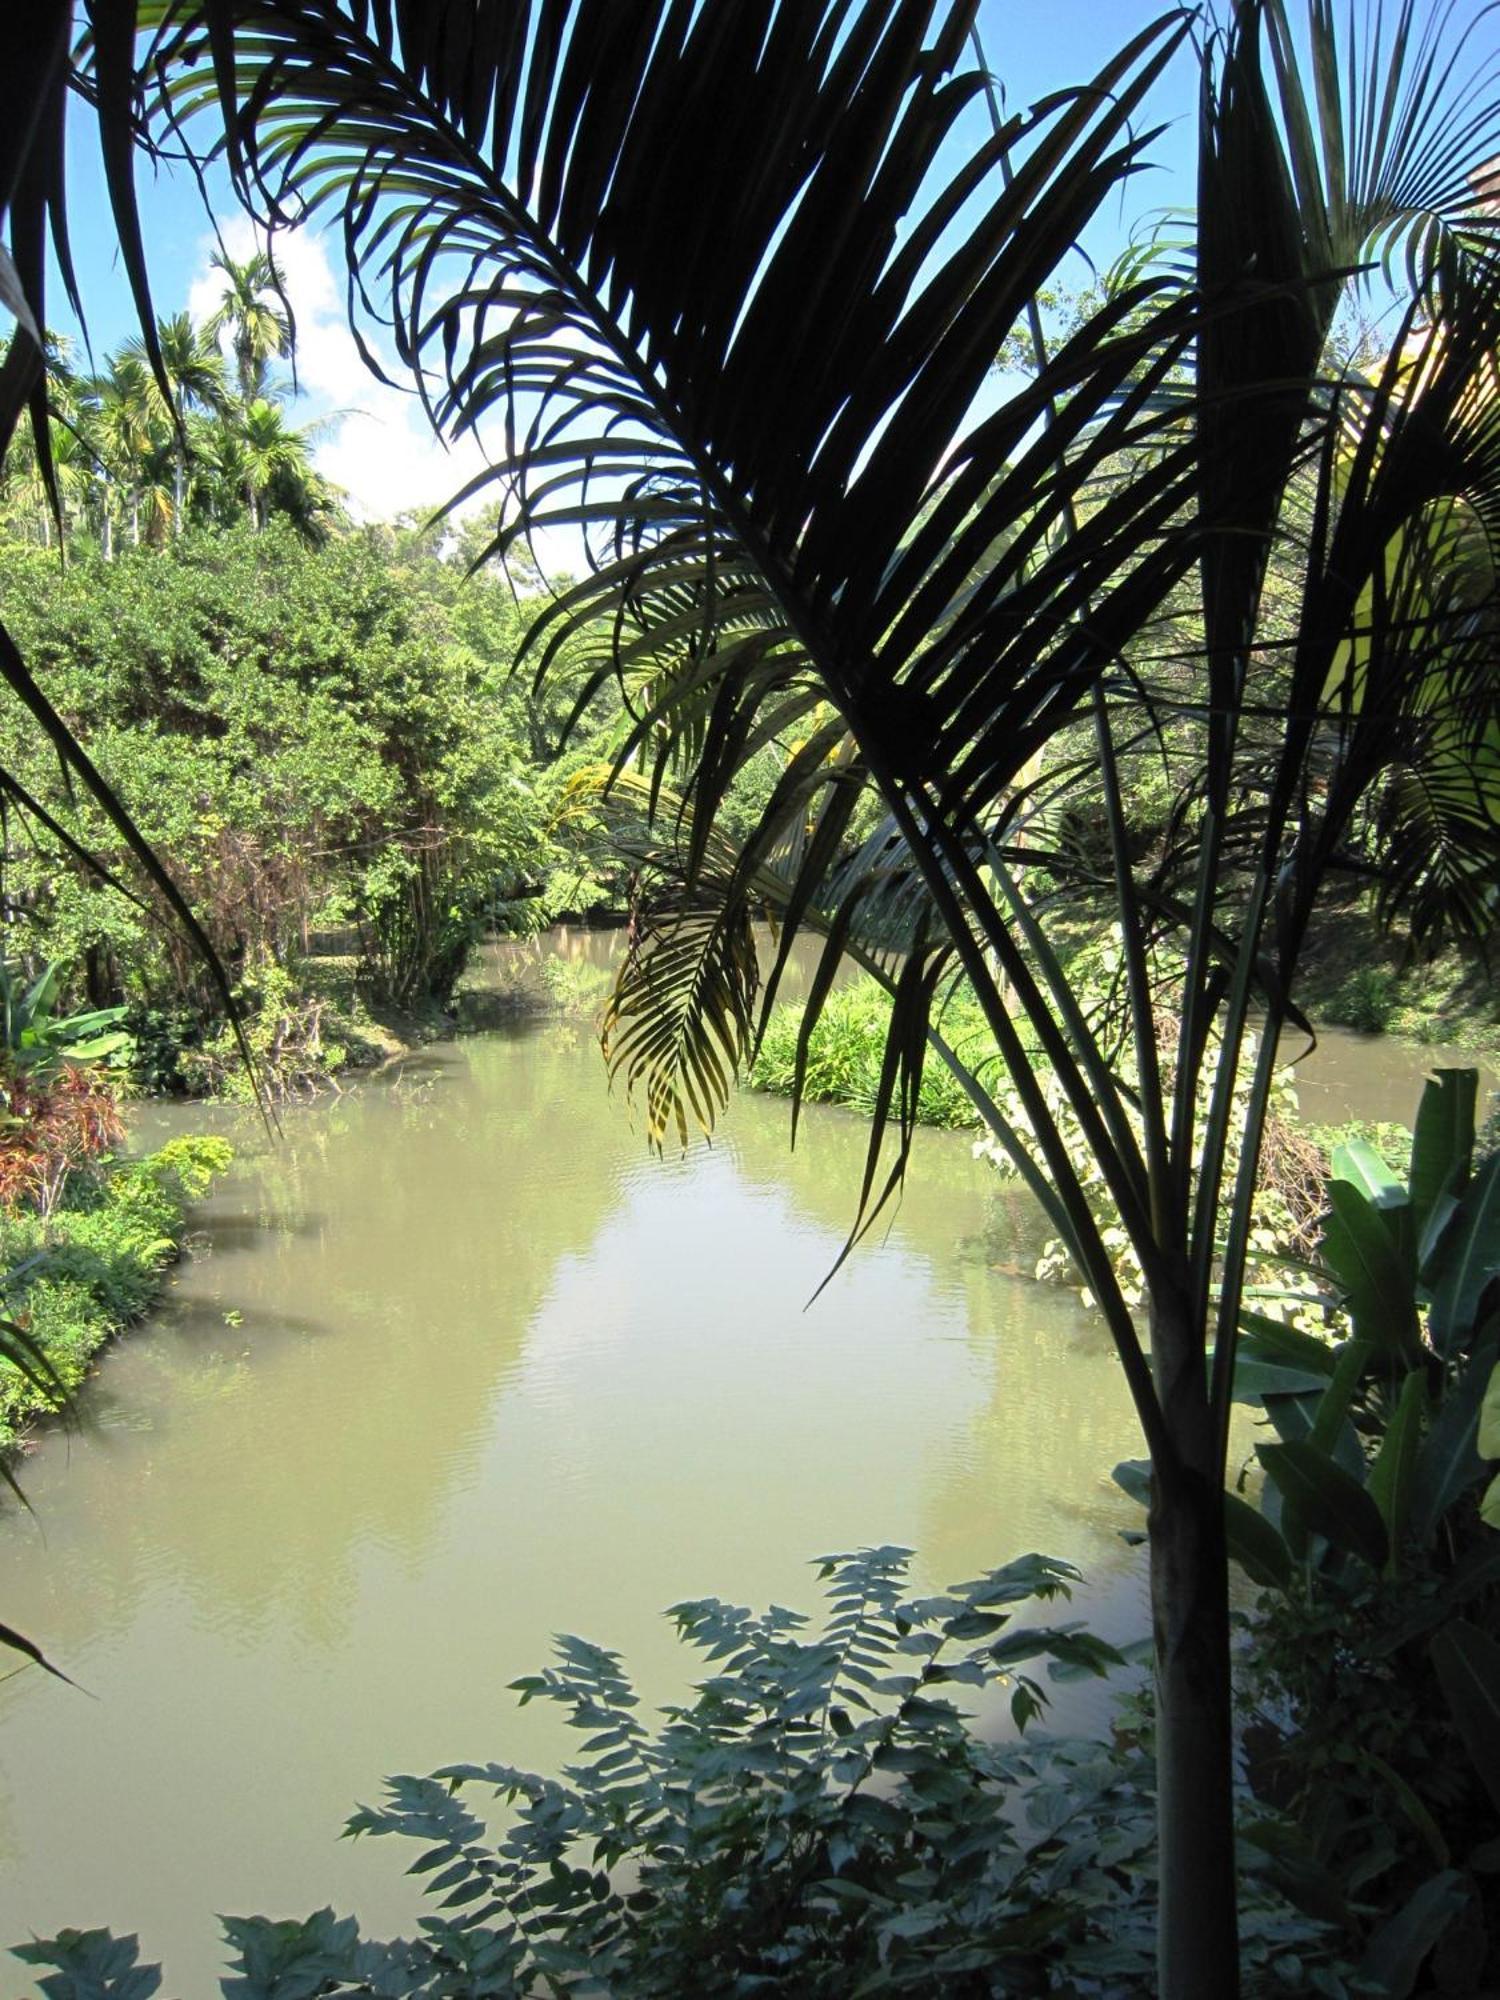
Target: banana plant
x,y
1378,1438
1377,1509
36,1038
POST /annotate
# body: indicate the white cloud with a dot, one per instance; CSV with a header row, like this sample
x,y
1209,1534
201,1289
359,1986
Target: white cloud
x,y
377,443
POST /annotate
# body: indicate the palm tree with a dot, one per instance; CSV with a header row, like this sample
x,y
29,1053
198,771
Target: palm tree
x,y
252,310
712,274
269,461
122,400
193,374
726,345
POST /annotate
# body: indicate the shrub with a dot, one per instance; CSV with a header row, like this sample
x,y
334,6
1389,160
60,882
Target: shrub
x,y
820,1820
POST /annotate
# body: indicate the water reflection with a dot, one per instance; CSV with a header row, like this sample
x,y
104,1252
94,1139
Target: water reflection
x,y
463,1366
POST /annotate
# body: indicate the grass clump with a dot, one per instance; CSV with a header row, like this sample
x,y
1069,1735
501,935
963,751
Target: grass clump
x,y
845,1051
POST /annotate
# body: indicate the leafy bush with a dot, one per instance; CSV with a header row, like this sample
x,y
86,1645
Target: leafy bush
x,y
308,738
79,1276
819,1821
1365,1000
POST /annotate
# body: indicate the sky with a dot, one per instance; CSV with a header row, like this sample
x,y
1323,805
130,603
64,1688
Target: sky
x,y
374,441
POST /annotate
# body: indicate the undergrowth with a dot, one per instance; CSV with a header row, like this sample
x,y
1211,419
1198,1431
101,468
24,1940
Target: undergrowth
x,y
79,1276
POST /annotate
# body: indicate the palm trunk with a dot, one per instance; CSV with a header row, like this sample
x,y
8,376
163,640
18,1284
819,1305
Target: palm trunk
x,y
179,486
1197,1938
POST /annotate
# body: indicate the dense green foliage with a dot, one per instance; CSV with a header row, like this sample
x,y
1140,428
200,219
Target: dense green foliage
x,y
315,741
841,1063
83,1273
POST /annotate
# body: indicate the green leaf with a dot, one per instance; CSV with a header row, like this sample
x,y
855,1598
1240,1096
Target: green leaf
x,y
1375,1270
1465,1260
1442,1141
1255,1544
1449,1463
1488,1438
1256,1378
1395,1954
1489,1506
1357,1162
1327,1499
1468,1670
1133,1476
1271,1340
1392,1474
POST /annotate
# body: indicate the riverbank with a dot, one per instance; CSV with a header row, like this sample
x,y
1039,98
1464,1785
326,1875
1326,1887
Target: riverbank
x,y
78,1276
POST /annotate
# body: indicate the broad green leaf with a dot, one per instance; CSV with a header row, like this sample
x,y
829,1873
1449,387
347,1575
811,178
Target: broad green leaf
x,y
1133,1476
1331,1421
1391,1475
1255,1545
1468,1669
1374,1270
1488,1439
1489,1506
1395,1954
1357,1162
1449,1461
1271,1340
1329,1501
1465,1260
1442,1141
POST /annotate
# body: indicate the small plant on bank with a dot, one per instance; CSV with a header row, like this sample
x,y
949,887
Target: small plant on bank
x,y
80,1274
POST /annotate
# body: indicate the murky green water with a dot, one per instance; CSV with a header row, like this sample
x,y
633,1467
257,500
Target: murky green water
x,y
460,1366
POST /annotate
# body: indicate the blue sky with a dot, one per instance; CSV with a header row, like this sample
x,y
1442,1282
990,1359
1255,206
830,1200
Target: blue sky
x,y
376,443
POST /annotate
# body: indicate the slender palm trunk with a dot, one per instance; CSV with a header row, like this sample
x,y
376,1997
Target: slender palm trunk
x,y
1197,1941
135,519
106,529
179,488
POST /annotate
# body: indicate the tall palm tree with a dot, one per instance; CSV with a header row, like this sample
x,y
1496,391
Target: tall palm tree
x,y
708,267
193,380
252,310
704,271
122,401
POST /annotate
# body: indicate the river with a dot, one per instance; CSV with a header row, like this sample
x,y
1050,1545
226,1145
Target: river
x,y
456,1366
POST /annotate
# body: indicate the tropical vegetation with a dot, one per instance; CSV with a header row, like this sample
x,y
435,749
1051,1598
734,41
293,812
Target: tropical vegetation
x,y
728,308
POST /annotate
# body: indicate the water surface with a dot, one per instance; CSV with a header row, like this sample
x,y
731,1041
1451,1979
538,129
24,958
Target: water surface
x,y
459,1366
